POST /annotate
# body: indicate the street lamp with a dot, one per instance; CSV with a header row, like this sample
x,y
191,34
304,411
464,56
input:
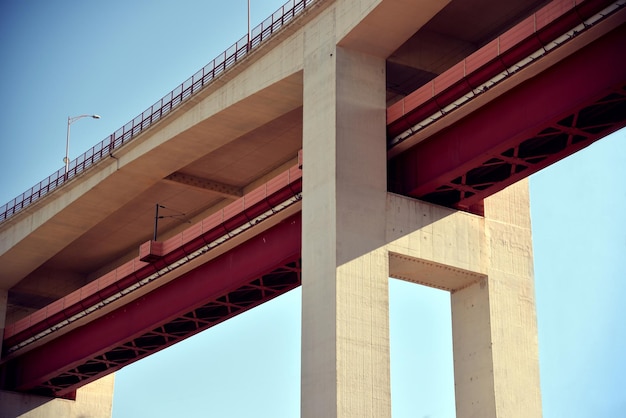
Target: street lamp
x,y
248,46
70,120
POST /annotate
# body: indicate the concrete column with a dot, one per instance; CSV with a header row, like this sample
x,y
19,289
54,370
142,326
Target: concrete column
x,y
345,325
496,359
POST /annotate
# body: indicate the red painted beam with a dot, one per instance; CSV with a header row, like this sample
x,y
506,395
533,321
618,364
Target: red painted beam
x,y
581,80
240,266
265,197
528,36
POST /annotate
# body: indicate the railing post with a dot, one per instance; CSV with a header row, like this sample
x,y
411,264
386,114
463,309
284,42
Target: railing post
x,y
63,178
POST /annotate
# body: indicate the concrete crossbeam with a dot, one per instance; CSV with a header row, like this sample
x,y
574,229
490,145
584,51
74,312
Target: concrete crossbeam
x,y
225,190
437,236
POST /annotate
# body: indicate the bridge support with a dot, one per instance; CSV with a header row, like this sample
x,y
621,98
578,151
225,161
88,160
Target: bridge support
x,y
345,333
496,358
354,239
486,265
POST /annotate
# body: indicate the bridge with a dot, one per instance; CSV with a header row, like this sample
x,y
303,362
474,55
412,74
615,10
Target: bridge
x,y
233,159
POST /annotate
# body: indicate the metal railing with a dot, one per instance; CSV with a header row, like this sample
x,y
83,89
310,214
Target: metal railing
x,y
160,109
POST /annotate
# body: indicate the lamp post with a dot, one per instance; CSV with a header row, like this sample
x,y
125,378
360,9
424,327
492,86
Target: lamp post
x,y
249,46
70,120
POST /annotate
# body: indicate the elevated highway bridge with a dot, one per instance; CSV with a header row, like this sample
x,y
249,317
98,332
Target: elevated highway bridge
x,y
193,212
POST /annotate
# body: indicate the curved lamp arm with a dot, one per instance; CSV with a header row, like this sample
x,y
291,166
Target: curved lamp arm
x,y
70,120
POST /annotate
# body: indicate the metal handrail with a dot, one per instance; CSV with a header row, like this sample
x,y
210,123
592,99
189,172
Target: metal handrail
x,y
161,108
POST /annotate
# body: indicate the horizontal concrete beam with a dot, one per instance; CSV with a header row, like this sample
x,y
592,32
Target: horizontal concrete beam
x,y
434,245
430,274
225,190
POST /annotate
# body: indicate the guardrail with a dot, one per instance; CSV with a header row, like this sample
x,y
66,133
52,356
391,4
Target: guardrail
x,y
160,109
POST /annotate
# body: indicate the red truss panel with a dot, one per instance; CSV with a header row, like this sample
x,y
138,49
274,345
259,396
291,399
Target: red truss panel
x,y
256,271
531,34
153,256
569,106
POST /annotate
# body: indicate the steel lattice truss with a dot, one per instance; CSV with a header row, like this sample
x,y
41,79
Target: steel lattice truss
x,y
574,103
259,290
552,143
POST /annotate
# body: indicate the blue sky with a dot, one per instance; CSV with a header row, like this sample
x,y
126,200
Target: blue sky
x,y
117,58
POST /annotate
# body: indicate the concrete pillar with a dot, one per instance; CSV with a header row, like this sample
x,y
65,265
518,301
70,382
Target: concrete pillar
x,y
345,325
496,359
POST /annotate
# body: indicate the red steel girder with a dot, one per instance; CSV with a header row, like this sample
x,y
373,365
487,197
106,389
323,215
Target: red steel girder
x,y
528,36
246,276
580,98
264,198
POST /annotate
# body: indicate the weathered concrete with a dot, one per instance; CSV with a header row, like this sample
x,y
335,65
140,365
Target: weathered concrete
x,y
94,400
511,294
486,264
356,235
345,337
433,245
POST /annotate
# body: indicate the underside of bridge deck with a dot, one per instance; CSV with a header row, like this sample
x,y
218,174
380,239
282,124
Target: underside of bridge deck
x,y
193,167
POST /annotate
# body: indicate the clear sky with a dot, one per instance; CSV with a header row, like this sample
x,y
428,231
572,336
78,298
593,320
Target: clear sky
x,y
116,58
